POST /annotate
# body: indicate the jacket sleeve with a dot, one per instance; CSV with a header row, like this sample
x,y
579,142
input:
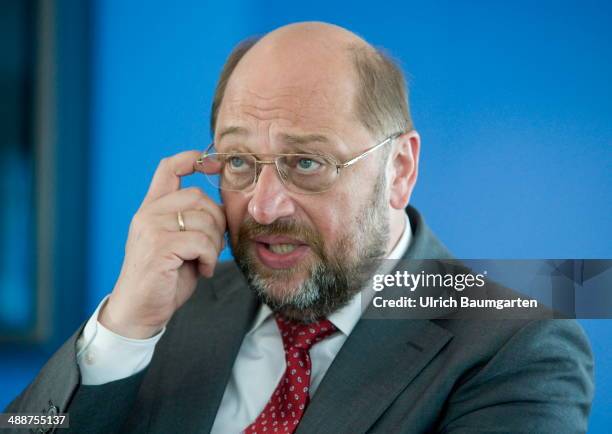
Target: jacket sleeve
x,y
540,381
91,409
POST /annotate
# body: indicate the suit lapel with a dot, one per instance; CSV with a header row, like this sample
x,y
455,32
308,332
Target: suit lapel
x,y
193,372
379,359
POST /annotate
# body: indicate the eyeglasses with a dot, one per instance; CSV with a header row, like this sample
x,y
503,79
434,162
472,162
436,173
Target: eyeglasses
x,y
300,173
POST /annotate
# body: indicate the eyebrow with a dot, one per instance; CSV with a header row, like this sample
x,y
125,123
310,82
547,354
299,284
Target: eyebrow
x,y
233,131
304,139
285,138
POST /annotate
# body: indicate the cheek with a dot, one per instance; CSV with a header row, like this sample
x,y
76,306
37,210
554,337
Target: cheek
x,y
353,202
333,218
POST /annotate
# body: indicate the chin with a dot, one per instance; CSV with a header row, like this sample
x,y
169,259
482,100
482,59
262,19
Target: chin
x,y
283,289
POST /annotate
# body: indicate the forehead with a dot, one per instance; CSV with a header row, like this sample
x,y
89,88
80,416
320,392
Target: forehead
x,y
311,92
305,106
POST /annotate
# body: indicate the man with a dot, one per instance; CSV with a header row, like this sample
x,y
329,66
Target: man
x,y
316,158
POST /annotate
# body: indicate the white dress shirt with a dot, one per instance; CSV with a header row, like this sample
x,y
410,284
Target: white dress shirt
x,y
104,356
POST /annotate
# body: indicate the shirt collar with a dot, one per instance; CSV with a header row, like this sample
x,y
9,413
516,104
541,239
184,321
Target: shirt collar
x,y
346,317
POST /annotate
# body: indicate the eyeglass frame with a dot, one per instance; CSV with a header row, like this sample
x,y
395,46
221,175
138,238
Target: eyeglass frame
x,y
338,165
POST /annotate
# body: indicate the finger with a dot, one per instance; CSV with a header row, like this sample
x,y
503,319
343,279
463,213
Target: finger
x,y
208,164
199,221
191,245
167,177
188,199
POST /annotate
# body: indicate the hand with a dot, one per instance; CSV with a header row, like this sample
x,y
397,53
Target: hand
x,y
162,264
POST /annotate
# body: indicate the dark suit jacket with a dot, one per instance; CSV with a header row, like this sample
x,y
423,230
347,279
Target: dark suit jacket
x,y
391,376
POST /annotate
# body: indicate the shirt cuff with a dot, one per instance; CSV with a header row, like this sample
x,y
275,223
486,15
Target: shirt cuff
x,y
104,356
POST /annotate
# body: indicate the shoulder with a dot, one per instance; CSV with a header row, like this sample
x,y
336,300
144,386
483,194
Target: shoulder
x,y
513,368
532,337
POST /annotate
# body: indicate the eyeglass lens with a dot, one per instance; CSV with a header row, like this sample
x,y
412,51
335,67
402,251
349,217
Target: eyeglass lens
x,y
299,172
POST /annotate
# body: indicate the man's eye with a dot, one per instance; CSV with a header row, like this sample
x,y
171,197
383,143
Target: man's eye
x,y
236,162
308,164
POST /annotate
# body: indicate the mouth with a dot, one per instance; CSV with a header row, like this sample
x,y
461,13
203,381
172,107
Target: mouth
x,y
279,252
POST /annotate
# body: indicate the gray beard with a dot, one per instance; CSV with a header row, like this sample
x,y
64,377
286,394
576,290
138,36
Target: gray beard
x,y
335,278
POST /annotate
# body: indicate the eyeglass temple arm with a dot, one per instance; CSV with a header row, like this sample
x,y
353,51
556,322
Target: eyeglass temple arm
x,y
369,151
205,153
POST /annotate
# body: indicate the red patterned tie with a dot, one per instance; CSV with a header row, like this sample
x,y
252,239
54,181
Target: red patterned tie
x,y
289,400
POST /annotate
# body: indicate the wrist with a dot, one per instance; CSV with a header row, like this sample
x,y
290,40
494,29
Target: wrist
x,y
112,320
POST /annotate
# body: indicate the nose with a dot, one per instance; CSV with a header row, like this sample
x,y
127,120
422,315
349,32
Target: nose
x,y
270,200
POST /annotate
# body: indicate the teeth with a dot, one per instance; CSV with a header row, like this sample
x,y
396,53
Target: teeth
x,y
282,248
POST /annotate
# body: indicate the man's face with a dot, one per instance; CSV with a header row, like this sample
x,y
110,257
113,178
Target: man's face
x,y
305,255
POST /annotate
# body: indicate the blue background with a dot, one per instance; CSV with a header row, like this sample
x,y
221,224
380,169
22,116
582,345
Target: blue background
x,y
512,101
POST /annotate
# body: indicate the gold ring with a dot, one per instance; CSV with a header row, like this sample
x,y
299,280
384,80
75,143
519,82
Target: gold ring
x,y
181,222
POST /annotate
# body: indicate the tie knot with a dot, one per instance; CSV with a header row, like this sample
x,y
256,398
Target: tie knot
x,y
303,336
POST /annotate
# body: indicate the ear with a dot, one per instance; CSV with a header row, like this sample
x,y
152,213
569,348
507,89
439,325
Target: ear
x,y
404,166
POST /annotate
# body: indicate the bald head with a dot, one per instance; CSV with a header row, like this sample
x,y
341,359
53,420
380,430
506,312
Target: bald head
x,y
318,36
309,55
303,44
325,62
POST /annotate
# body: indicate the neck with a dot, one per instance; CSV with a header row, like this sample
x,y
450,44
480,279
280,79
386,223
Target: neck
x,y
397,224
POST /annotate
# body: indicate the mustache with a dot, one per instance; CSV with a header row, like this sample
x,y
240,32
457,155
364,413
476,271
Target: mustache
x,y
250,229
